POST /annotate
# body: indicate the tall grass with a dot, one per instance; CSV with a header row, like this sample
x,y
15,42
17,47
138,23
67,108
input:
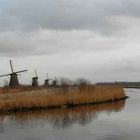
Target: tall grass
x,y
60,97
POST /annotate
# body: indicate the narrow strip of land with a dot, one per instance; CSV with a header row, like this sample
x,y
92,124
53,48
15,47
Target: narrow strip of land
x,y
59,97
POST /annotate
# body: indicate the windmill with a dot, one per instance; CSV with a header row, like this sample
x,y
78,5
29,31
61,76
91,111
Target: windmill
x,y
35,80
46,83
54,83
14,82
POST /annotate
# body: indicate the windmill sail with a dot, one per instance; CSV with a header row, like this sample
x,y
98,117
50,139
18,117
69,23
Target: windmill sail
x,y
48,77
5,75
11,66
36,73
20,71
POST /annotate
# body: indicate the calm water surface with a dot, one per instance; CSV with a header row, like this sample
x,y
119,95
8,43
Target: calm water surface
x,y
113,121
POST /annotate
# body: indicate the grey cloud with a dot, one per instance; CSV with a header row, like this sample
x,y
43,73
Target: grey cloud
x,y
54,42
88,37
39,27
68,15
14,44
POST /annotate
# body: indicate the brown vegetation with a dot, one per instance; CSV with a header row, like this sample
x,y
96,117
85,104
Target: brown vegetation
x,y
60,97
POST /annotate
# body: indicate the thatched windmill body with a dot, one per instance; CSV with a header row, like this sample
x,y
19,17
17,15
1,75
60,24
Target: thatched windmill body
x,y
46,83
54,82
14,82
35,80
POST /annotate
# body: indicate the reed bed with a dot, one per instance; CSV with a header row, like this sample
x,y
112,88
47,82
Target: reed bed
x,y
60,97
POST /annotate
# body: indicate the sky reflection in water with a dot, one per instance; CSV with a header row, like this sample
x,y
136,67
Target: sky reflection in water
x,y
61,118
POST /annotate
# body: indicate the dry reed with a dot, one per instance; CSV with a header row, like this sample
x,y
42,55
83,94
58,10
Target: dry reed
x,y
60,97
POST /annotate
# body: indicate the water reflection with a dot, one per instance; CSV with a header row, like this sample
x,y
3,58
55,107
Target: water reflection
x,y
60,118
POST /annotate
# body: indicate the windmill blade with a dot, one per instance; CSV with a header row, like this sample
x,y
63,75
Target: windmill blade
x,y
36,73
48,77
20,71
11,66
5,75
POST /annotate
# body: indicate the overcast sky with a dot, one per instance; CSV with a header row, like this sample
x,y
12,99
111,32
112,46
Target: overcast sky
x,y
95,39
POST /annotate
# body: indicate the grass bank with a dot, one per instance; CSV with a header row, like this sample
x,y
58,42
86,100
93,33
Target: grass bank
x,y
60,97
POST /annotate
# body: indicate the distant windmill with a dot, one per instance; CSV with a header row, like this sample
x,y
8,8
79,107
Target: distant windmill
x,y
54,83
14,82
35,80
46,83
